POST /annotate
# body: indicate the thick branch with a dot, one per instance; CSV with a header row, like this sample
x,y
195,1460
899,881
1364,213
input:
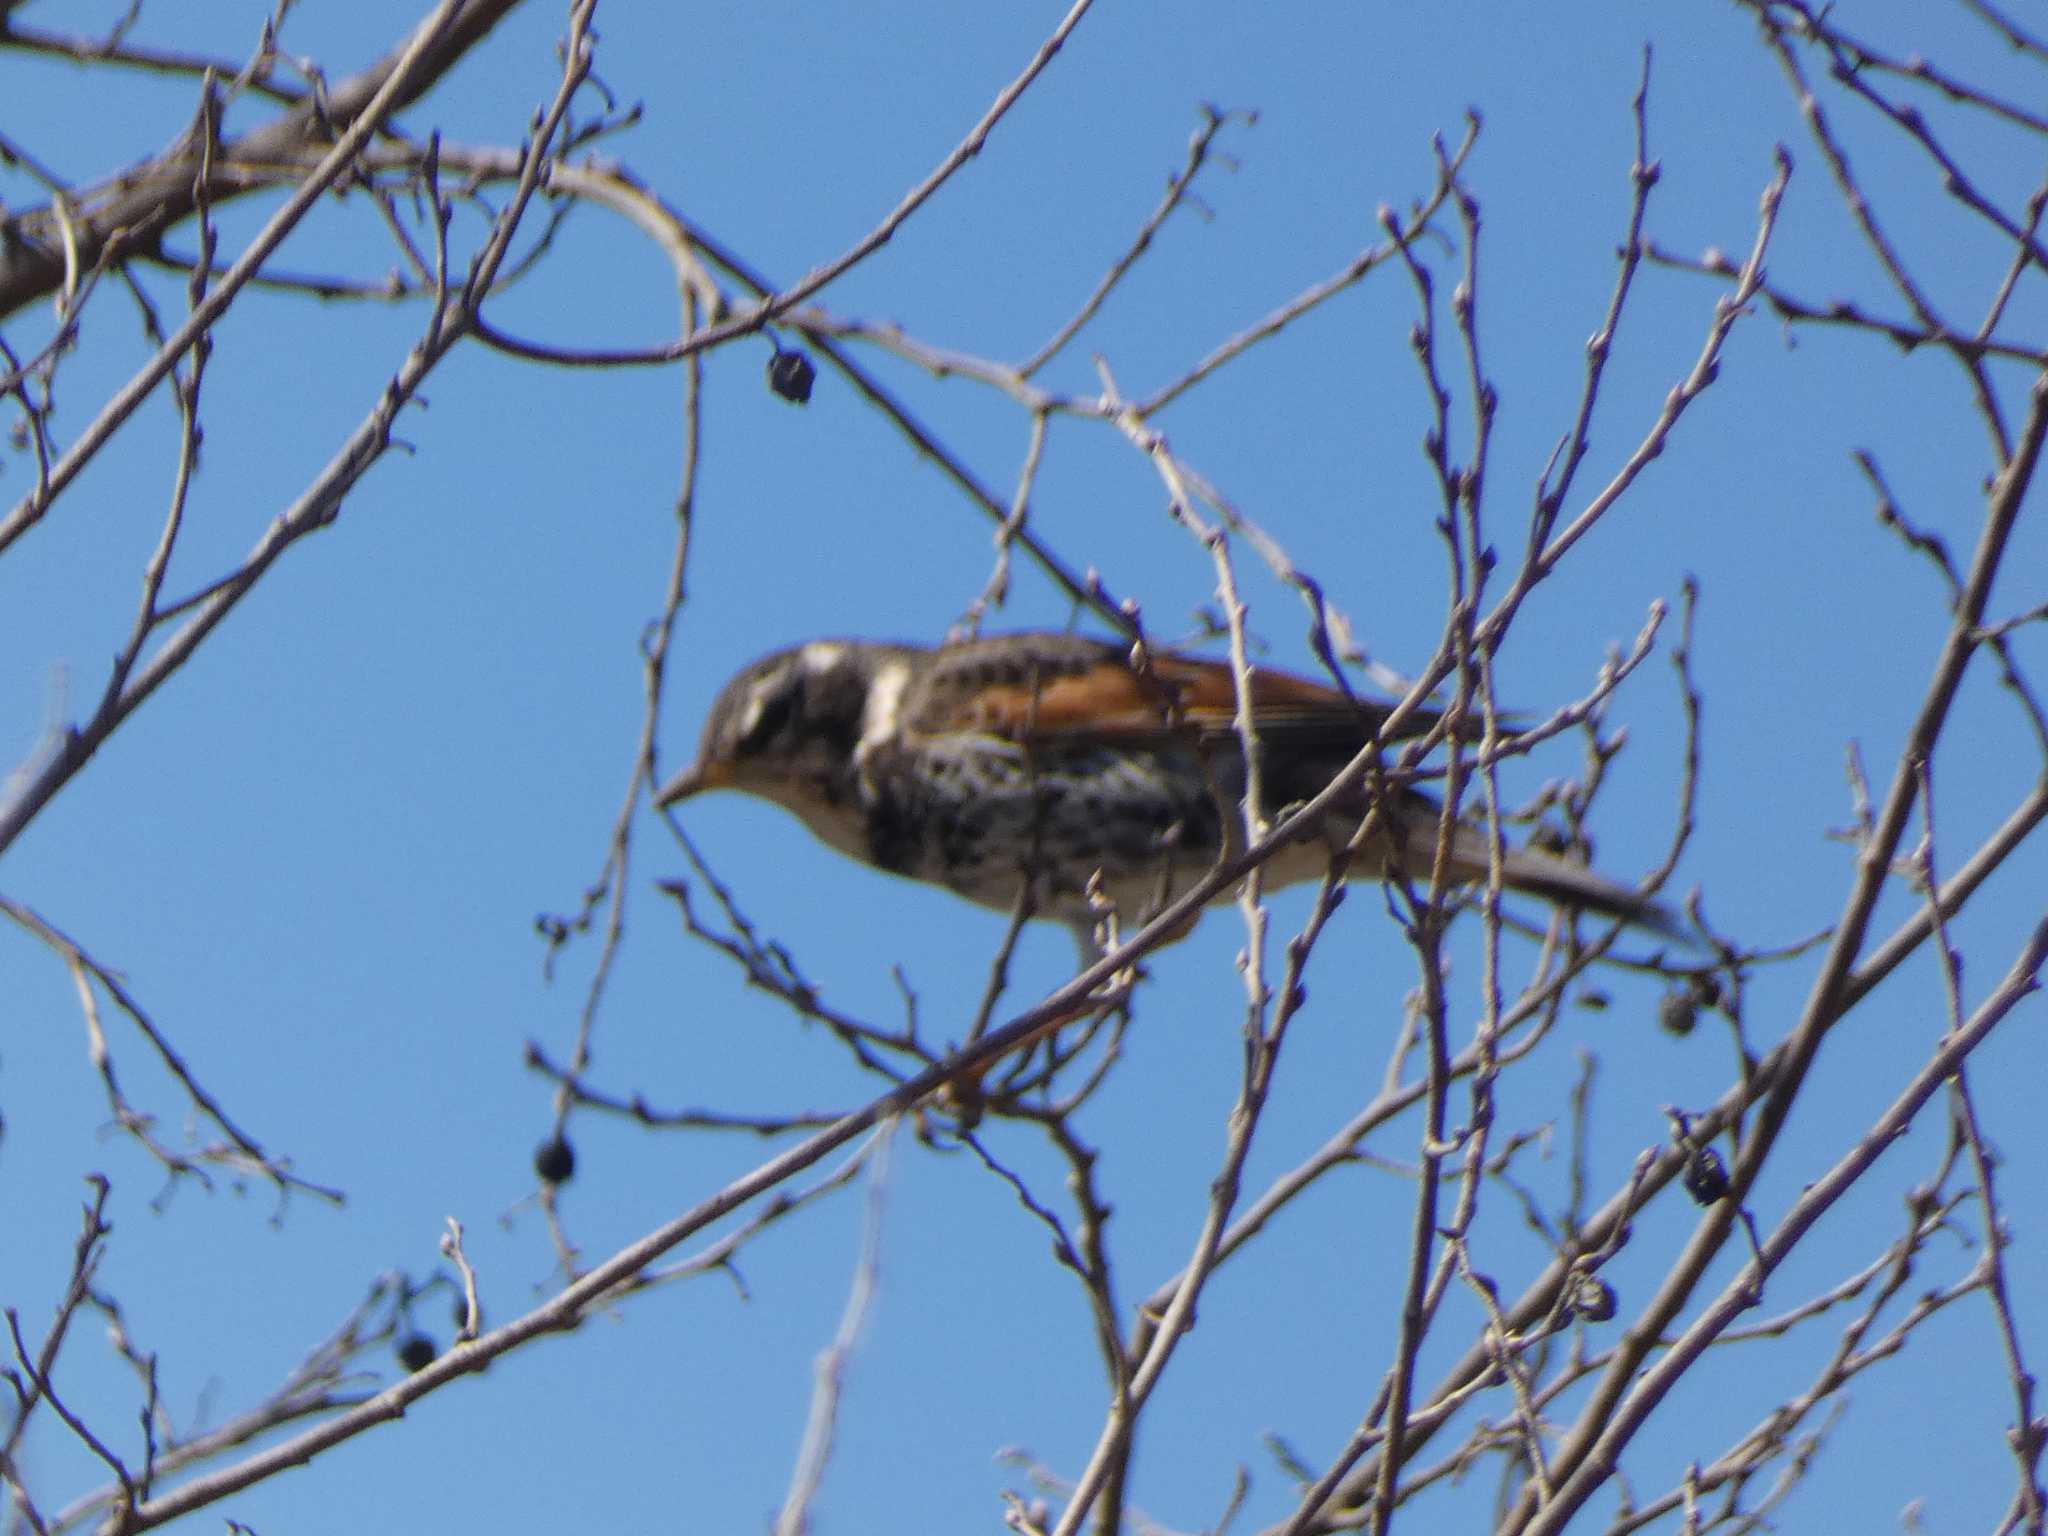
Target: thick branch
x,y
130,213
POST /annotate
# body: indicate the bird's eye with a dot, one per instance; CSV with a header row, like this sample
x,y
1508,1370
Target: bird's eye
x,y
767,718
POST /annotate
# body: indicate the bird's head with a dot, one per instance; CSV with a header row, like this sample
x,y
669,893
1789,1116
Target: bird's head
x,y
789,719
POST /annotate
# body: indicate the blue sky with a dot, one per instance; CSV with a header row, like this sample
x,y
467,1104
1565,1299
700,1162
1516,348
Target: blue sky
x,y
318,854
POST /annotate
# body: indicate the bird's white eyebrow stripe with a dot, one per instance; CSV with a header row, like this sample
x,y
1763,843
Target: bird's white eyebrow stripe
x,y
882,718
757,705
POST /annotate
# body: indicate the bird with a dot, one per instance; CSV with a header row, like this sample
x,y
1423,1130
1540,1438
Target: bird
x,y
1080,776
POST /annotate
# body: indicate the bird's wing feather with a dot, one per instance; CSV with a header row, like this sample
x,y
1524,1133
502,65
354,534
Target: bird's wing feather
x,y
1059,688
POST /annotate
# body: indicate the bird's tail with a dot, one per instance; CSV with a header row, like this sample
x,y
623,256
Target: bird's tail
x,y
1555,880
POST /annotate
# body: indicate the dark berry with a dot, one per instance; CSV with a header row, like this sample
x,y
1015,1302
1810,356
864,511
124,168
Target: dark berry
x,y
1705,1178
1678,1012
555,1160
791,375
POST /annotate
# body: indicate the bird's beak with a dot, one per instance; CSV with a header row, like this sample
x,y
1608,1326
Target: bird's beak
x,y
698,777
